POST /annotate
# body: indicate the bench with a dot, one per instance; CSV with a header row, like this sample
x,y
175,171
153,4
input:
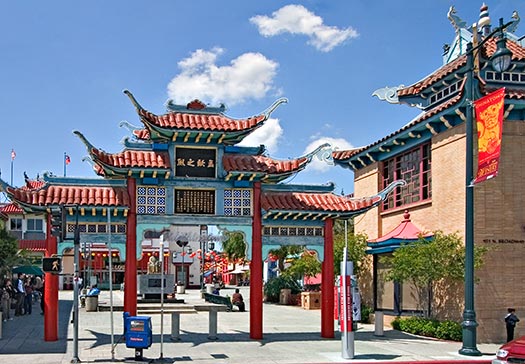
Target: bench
x,y
175,317
220,300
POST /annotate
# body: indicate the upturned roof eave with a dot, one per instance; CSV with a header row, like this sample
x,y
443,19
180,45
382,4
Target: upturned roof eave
x,y
418,130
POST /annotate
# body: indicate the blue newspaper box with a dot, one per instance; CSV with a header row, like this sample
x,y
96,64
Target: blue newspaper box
x,y
138,331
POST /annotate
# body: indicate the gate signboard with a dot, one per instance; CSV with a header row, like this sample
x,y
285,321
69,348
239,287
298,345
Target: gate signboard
x,y
195,162
192,201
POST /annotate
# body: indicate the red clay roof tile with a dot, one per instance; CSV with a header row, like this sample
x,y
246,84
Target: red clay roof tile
x,y
406,230
314,202
33,245
134,159
518,54
73,195
11,208
344,154
259,163
33,185
418,120
213,122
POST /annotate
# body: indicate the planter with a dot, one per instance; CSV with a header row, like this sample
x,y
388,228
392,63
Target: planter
x,y
91,303
311,300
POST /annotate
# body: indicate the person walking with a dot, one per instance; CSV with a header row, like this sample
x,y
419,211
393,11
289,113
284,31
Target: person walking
x,y
510,322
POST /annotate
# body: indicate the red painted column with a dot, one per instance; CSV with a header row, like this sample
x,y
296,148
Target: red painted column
x,y
130,275
327,283
256,276
50,290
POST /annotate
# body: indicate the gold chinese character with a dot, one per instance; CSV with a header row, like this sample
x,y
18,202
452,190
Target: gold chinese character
x,y
211,163
180,162
201,163
190,163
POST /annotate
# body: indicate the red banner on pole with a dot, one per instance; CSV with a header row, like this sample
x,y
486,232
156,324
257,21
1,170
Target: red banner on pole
x,y
345,287
489,120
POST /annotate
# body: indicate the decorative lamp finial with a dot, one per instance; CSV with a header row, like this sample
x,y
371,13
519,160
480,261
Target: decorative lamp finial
x,y
484,20
406,216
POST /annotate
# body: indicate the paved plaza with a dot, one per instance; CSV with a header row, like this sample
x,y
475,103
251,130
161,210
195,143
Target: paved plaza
x,y
291,335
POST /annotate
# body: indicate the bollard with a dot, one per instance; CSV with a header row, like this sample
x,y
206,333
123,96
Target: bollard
x,y
379,317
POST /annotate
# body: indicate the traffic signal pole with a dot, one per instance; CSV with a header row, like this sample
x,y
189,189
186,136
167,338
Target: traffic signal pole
x,y
76,243
50,290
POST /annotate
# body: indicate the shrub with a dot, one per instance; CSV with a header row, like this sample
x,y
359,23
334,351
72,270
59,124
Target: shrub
x,y
445,330
450,330
365,314
272,288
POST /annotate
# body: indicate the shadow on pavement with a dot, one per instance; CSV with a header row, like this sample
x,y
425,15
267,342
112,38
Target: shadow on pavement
x,y
25,334
199,338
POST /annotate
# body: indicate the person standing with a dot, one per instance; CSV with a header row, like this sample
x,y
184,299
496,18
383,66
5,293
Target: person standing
x,y
42,303
28,298
7,294
20,294
510,322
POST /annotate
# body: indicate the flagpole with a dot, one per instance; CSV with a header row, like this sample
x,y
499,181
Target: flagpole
x,y
64,163
13,155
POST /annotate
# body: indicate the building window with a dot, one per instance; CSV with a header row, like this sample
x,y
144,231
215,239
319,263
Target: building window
x,y
151,200
238,202
293,231
413,167
97,228
444,93
35,225
16,224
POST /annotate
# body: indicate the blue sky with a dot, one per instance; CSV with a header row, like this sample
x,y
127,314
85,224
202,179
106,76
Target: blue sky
x,y
64,64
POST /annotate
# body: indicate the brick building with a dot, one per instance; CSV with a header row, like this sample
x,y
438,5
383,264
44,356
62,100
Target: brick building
x,y
428,152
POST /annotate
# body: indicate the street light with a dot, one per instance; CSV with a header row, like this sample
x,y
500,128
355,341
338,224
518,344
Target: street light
x,y
500,62
182,244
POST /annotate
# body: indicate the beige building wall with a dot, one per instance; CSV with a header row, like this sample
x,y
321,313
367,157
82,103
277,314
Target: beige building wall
x,y
499,223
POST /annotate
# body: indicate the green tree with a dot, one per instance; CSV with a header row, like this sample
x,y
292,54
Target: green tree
x,y
425,263
306,265
285,251
8,252
234,246
357,245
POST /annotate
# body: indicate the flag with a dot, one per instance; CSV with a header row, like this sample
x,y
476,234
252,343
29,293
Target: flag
x,y
13,154
489,120
67,160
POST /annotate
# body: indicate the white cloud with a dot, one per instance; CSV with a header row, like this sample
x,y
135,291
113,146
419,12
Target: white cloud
x,y
296,19
269,134
249,76
336,143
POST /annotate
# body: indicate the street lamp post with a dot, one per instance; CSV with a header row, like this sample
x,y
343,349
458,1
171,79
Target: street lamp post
x,y
182,244
500,62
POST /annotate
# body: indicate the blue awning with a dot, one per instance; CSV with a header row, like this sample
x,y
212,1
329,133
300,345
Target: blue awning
x,y
209,273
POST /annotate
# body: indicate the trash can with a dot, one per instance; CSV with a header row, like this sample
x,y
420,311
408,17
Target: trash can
x,y
285,296
209,288
91,303
379,318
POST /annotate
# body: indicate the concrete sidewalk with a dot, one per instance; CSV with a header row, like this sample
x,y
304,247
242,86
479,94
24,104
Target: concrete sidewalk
x,y
291,335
